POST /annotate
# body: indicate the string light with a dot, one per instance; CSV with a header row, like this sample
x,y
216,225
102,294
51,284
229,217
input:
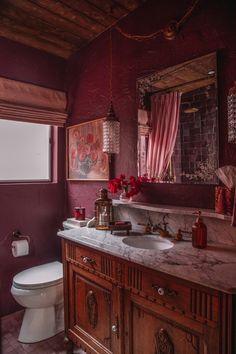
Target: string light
x,y
169,32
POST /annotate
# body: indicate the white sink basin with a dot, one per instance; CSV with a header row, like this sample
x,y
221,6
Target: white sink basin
x,y
148,242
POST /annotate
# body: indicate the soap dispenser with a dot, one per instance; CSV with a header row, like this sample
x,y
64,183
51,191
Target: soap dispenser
x,y
199,233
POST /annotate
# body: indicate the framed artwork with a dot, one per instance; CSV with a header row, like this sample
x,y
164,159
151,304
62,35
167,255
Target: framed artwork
x,y
85,158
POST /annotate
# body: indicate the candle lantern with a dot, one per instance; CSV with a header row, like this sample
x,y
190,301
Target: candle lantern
x,y
103,211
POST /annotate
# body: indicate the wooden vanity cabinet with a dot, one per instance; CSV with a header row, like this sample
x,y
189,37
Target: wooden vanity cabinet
x,y
113,306
154,330
93,305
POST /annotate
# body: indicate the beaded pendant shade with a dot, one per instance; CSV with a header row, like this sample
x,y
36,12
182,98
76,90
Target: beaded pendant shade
x,y
232,114
111,124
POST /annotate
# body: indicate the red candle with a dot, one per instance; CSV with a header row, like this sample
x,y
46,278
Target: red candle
x,y
79,213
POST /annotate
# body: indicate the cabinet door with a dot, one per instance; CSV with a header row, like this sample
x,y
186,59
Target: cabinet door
x,y
150,333
94,315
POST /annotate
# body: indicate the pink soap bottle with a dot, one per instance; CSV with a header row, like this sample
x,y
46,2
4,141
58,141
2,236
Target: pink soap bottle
x,y
199,233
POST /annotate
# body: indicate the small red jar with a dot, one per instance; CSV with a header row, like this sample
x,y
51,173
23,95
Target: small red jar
x,y
79,213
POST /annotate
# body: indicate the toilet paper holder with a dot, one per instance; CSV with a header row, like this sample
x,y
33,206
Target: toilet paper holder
x,y
18,234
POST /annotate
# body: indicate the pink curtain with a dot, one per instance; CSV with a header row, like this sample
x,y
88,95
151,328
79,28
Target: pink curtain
x,y
165,121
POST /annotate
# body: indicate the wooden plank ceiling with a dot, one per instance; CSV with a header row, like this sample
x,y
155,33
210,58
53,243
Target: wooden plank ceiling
x,y
188,76
60,27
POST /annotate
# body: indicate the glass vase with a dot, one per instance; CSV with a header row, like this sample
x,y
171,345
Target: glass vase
x,y
123,197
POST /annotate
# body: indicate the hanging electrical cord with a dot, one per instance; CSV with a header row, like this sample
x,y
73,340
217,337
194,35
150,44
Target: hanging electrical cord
x,y
111,65
169,32
111,124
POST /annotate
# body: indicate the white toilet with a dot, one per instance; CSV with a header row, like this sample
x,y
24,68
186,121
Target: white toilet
x,y
40,290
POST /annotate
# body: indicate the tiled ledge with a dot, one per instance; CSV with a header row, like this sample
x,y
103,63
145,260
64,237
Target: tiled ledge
x,y
170,209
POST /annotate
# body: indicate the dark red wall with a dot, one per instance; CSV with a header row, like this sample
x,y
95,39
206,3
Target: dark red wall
x,y
38,209
35,209
210,28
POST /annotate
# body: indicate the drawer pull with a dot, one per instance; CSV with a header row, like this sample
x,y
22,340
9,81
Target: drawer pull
x,y
88,260
164,291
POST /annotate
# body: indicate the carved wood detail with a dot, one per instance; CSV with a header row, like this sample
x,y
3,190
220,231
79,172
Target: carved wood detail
x,y
193,341
202,304
106,266
107,297
135,278
71,251
119,272
164,344
228,316
92,308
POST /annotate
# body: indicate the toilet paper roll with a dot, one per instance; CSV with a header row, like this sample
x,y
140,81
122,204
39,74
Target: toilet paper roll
x,y
20,248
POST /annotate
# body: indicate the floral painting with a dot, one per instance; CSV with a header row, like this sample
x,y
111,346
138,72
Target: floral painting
x,y
85,158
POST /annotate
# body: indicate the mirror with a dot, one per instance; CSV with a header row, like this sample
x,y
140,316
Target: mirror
x,y
193,158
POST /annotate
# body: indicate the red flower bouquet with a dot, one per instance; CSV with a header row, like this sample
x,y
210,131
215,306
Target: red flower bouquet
x,y
130,186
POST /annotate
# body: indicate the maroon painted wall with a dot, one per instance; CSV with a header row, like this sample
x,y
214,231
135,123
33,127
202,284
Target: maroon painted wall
x,y
210,28
35,209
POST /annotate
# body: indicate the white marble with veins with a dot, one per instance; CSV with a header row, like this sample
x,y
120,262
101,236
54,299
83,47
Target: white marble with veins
x,y
213,267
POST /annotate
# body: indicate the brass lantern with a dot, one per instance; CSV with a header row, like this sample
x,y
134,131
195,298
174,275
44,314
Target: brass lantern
x,y
103,211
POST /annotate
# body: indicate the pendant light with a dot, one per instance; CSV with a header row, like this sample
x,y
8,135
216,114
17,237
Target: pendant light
x,y
232,114
111,124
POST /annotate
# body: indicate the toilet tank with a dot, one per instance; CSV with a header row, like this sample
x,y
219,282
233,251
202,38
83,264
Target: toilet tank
x,y
72,223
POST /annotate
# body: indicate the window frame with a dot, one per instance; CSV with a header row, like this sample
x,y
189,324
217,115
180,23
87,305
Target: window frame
x,y
52,136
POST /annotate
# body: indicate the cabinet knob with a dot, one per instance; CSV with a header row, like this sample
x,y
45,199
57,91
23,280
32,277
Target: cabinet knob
x,y
161,291
164,291
114,328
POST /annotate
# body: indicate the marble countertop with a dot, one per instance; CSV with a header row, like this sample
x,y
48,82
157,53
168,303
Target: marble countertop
x,y
214,267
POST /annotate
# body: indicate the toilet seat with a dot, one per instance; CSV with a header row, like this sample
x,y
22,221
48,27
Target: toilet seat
x,y
41,276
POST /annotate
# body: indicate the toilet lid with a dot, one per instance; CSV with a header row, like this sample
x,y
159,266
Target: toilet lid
x,y
40,276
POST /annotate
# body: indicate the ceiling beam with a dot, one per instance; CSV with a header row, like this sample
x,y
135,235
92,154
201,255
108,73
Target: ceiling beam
x,y
15,33
95,13
49,17
34,32
43,27
69,14
110,8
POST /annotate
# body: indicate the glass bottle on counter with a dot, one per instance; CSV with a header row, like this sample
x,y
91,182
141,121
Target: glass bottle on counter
x,y
104,218
199,233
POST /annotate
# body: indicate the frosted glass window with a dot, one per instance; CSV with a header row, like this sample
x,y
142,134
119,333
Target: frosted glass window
x,y
25,151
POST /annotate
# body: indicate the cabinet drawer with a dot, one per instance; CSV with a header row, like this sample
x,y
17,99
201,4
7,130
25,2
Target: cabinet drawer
x,y
200,304
157,288
166,292
90,259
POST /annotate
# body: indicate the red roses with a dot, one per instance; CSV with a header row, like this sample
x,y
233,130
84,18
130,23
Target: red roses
x,y
130,186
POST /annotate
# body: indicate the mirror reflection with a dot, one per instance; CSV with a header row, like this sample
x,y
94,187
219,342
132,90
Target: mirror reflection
x,y
178,123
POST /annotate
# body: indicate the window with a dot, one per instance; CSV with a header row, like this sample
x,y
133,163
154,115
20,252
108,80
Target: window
x,y
25,151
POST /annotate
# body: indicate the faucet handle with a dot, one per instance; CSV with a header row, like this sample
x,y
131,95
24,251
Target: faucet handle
x,y
179,236
164,222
